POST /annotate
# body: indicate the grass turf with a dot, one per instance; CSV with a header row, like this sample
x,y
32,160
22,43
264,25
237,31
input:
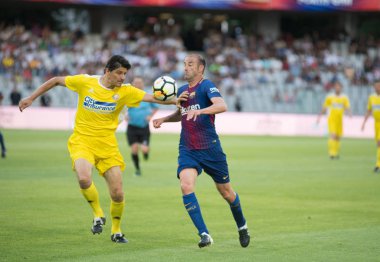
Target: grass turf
x,y
300,205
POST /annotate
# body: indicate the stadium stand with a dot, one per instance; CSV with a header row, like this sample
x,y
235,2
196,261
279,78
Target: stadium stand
x,y
254,73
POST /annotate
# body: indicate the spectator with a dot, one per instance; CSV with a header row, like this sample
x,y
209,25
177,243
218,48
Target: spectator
x,y
15,96
45,100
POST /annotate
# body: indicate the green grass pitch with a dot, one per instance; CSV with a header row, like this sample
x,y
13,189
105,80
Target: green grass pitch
x,y
300,205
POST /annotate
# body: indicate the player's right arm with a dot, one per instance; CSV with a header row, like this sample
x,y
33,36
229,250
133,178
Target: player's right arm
x,y
52,82
175,117
323,111
326,104
367,115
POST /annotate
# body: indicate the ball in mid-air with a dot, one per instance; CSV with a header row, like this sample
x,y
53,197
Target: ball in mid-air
x,y
164,88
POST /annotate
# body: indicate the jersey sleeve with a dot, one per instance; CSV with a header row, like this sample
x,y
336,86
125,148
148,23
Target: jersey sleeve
x,y
134,97
74,82
369,104
212,91
327,102
347,103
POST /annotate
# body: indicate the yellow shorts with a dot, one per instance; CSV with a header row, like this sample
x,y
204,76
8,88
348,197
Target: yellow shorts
x,y
102,152
335,126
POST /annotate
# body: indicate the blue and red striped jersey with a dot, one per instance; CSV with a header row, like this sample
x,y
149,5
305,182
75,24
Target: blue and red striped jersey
x,y
199,134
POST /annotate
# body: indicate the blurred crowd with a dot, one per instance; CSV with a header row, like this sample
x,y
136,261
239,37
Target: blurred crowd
x,y
282,69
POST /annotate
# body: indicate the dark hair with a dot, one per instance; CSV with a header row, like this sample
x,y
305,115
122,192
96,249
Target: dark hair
x,y
201,61
116,62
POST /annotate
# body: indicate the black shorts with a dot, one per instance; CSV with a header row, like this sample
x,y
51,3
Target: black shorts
x,y
139,135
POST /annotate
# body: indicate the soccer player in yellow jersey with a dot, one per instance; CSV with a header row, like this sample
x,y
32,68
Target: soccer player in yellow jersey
x,y
336,103
373,107
93,142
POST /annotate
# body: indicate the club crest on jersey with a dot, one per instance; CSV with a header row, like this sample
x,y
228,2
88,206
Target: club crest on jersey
x,y
115,97
98,106
192,95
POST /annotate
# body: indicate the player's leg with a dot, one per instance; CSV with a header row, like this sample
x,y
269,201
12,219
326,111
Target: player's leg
x,y
145,143
113,176
188,178
83,169
377,137
335,146
2,144
133,141
332,125
135,158
377,167
233,200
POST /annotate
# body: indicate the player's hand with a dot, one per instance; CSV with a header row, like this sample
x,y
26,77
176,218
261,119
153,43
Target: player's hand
x,y
157,122
183,97
24,103
192,114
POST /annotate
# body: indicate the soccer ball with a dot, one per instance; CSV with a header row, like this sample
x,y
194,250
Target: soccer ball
x,y
164,88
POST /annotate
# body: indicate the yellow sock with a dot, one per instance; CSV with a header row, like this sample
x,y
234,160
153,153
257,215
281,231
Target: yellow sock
x,y
378,157
92,197
337,147
116,214
331,146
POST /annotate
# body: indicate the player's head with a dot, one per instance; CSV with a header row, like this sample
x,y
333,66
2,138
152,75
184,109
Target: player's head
x,y
195,66
337,87
376,85
138,82
116,70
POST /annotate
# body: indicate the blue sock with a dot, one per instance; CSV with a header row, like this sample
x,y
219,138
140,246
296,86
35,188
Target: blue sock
x,y
237,212
191,204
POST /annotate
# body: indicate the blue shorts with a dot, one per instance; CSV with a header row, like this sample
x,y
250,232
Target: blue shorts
x,y
212,160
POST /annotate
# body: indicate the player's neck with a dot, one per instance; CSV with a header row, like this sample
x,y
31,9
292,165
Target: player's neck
x,y
104,81
195,81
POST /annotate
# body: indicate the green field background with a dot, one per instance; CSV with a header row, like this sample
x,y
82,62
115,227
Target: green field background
x,y
299,204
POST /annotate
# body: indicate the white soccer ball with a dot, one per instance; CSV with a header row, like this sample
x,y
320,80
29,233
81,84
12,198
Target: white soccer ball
x,y
164,88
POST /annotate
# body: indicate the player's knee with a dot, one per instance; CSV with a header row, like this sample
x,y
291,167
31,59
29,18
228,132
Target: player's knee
x,y
187,188
117,195
84,181
227,195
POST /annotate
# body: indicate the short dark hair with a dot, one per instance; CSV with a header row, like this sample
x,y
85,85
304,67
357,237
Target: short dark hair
x,y
116,62
201,60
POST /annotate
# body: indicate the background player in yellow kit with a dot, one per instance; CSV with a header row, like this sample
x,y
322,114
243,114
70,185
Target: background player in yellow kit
x,y
336,104
373,107
93,143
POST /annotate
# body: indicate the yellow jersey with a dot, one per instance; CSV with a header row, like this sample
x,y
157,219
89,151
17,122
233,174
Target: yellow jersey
x,y
374,106
99,107
336,104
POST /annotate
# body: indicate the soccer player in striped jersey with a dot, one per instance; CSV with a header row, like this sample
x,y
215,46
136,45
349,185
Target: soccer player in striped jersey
x,y
373,107
336,104
200,148
101,98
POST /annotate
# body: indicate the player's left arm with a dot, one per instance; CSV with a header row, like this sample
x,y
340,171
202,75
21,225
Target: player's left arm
x,y
218,106
367,115
52,82
348,107
151,99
